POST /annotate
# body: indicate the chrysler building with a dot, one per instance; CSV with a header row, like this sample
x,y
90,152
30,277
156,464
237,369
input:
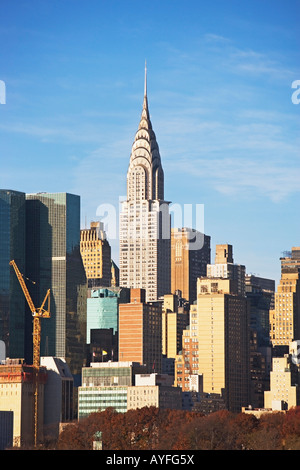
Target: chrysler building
x,y
145,240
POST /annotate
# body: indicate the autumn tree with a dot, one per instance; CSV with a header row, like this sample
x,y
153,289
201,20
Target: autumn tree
x,y
175,429
268,435
151,428
80,435
241,428
291,429
210,432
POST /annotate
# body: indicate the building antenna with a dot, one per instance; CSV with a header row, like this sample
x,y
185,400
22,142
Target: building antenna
x,y
145,86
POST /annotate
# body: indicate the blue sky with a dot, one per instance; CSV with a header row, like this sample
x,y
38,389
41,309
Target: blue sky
x,y
220,77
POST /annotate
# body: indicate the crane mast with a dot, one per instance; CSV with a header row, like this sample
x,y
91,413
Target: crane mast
x,y
37,314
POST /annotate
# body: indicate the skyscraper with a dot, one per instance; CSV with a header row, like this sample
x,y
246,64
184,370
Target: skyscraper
x,y
216,346
260,294
188,261
223,335
12,246
144,219
54,262
96,255
284,383
224,267
175,319
285,317
140,331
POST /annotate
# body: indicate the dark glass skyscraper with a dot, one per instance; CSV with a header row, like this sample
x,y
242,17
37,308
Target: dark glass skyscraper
x,y
12,246
53,258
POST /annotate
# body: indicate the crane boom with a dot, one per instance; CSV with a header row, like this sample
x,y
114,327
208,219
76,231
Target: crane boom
x,y
40,312
37,315
23,285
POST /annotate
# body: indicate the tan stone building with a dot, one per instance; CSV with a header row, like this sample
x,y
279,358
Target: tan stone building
x,y
284,390
216,345
175,319
96,255
169,326
17,395
285,317
153,390
223,335
190,254
224,267
114,274
187,361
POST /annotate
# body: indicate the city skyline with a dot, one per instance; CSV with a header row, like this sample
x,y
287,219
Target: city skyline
x,y
220,97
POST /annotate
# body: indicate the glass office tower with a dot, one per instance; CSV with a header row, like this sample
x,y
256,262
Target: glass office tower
x,y
12,246
53,258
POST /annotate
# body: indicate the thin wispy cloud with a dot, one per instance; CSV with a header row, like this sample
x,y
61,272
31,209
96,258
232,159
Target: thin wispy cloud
x,y
236,139
216,38
226,55
80,132
239,177
257,63
255,151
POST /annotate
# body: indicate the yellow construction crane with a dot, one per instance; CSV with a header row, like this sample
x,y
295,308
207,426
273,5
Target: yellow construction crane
x,y
37,314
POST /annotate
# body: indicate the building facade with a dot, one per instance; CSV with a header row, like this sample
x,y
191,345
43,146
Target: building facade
x,y
154,390
144,219
6,429
285,317
140,331
223,335
105,385
216,344
103,322
58,395
225,267
260,294
103,308
96,255
12,246
187,360
53,260
190,255
17,385
284,390
175,319
115,274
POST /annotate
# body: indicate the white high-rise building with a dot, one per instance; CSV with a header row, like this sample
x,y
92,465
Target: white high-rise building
x,y
145,231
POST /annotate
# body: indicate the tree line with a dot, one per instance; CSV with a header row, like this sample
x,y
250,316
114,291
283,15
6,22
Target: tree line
x,y
152,428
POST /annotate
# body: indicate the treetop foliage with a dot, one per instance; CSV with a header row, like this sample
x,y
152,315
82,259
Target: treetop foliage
x,y
152,428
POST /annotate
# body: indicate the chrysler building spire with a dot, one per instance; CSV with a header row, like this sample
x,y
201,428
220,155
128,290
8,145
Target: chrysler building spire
x,y
145,176
145,219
